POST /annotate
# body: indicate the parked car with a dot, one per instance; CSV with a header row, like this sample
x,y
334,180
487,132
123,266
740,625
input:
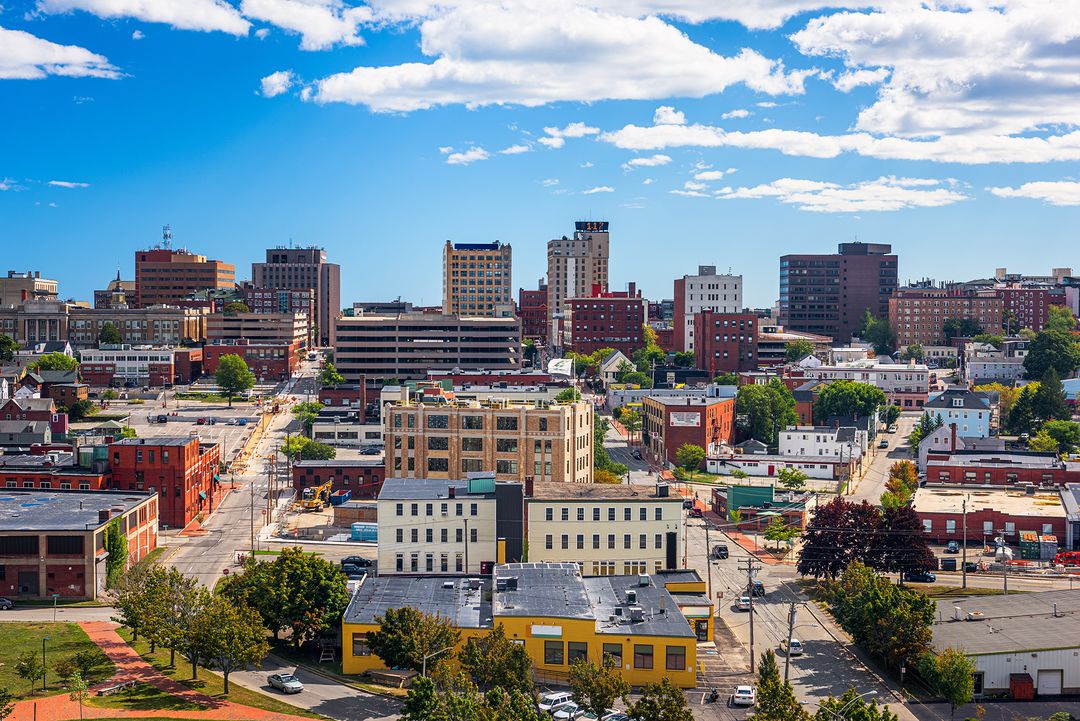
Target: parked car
x,y
744,696
359,561
757,588
617,716
743,603
162,418
720,550
636,454
893,428
1024,437
6,604
952,547
590,716
231,422
200,421
920,577
353,573
241,421
971,567
550,701
883,443
687,504
695,512
796,648
370,451
567,711
285,682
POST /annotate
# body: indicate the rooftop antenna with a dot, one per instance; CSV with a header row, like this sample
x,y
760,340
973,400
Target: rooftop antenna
x,y
166,235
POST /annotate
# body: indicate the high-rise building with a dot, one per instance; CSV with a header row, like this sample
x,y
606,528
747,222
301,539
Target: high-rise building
x,y
165,276
606,319
918,315
575,265
704,291
297,268
477,279
19,287
828,294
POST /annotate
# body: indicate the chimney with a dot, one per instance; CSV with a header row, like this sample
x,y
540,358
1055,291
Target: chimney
x,y
952,439
451,491
24,295
104,515
529,486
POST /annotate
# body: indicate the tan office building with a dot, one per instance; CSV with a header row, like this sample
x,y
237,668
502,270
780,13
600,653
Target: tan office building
x,y
477,279
448,439
259,327
18,288
40,321
165,276
575,266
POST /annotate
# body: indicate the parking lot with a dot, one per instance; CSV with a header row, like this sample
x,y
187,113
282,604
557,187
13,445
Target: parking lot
x,y
186,422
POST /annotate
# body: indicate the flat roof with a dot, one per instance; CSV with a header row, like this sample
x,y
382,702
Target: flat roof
x,y
1018,459
550,491
341,462
447,597
931,499
1020,622
425,489
158,441
690,399
49,510
554,590
661,613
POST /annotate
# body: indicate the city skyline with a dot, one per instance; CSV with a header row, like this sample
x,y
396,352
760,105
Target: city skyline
x,y
736,136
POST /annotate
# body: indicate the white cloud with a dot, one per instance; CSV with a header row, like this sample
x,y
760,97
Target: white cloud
x,y
555,137
667,115
739,113
262,33
138,35
647,181
709,175
277,83
515,150
968,150
586,164
27,57
68,184
884,194
689,193
768,104
650,162
9,184
691,185
531,53
598,189
206,15
854,78
321,24
471,155
1062,192
550,182
446,149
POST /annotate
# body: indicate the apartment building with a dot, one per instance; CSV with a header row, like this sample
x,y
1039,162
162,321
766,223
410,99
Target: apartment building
x,y
986,363
574,266
445,438
606,319
182,470
828,294
164,276
281,300
969,411
725,342
532,309
259,328
607,530
477,279
304,269
907,385
448,527
16,287
918,315
669,422
406,346
705,291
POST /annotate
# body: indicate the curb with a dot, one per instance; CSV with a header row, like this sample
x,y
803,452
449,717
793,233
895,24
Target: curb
x,y
334,677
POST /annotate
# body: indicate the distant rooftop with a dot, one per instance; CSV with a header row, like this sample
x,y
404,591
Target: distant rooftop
x,y
41,510
423,489
158,441
1015,623
496,245
546,491
936,499
447,597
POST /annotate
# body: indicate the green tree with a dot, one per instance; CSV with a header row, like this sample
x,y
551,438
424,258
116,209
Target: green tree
x,y
637,378
80,410
329,376
1043,442
1049,403
306,412
660,702
530,351
1022,414
191,616
726,379
765,409
257,587
927,424
595,687
86,661
131,596
961,327
1055,349
879,333
684,359
8,348
990,339
30,668
738,474
1066,433
232,376
568,395
304,449
230,636
848,398
1006,396
690,457
77,691
422,702
1060,317
775,698
779,532
891,414
117,548
495,661
792,478
952,676
796,350
913,352
7,703
631,420
854,708
406,635
54,362
502,705
110,334
236,307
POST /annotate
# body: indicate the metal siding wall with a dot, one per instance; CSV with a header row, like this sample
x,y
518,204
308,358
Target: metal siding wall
x,y
997,667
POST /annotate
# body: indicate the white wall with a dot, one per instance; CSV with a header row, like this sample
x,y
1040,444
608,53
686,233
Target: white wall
x,y
997,667
484,549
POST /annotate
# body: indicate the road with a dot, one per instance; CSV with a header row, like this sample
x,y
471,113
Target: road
x,y
872,484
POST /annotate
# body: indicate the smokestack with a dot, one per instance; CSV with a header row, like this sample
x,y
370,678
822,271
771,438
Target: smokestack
x,y
529,486
952,440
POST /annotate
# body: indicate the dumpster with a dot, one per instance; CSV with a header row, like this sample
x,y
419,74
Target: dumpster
x,y
339,497
948,564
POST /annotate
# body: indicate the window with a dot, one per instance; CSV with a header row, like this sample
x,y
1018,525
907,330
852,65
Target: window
x,y
626,540
658,514
458,564
928,525
659,541
359,645
676,658
400,535
438,421
414,509
988,526
950,526
548,542
506,423
64,545
472,444
549,514
1047,529
506,445
472,535
580,541
613,655
506,467
459,509
553,653
565,541
472,509
1010,528
399,562
643,514
443,533
627,514
438,443
429,560
643,541
472,465
642,655
596,540
581,514
611,540
576,650
429,536
414,535
459,535
565,514
438,464
611,514
443,565
472,423
596,513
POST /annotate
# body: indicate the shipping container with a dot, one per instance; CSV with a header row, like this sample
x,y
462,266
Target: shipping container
x,y
363,531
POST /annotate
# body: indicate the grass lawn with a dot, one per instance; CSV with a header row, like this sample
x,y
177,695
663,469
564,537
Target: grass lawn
x,y
143,697
65,640
211,683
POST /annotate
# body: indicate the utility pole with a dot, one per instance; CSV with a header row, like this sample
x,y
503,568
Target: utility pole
x,y
708,557
963,558
750,568
1004,564
251,511
466,545
790,633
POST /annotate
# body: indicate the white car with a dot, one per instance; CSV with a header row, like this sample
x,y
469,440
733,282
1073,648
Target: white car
x,y
567,712
744,696
286,682
550,701
743,604
796,648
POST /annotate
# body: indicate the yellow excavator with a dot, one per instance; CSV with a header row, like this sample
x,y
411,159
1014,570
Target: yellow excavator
x,y
316,498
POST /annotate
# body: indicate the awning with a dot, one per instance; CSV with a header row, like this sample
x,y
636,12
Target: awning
x,y
202,495
217,477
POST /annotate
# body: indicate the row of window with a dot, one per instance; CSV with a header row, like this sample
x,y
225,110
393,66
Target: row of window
x,y
429,565
472,465
643,541
628,513
429,535
987,527
560,653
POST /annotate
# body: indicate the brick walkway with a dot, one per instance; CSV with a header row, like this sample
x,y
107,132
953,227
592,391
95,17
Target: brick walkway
x,y
130,666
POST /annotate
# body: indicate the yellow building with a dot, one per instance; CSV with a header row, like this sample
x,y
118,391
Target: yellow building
x,y
635,622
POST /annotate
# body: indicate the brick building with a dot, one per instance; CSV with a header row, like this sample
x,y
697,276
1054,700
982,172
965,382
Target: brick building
x,y
532,309
668,423
281,300
510,378
164,276
725,342
35,409
363,476
918,315
830,294
990,513
606,319
269,361
346,395
304,268
55,470
705,291
140,365
183,471
1024,307
67,393
53,542
259,328
1000,468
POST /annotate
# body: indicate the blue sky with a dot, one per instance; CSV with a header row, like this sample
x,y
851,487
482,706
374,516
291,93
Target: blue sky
x,y
707,136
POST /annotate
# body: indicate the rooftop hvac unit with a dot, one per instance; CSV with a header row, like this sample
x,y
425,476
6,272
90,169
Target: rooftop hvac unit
x,y
631,597
618,611
643,579
636,613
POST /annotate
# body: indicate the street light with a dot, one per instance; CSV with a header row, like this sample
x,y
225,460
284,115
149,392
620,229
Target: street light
x,y
840,714
43,666
432,655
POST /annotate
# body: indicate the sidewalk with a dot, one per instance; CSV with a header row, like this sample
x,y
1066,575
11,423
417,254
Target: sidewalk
x,y
130,666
